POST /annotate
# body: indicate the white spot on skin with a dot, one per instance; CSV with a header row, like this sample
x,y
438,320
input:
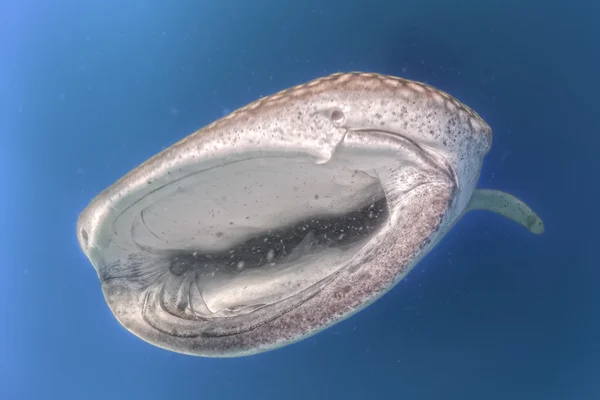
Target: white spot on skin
x,y
406,93
475,124
343,78
276,97
255,105
300,92
438,98
416,87
393,82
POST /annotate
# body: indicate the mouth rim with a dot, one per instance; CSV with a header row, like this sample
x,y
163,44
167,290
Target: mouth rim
x,y
429,154
295,298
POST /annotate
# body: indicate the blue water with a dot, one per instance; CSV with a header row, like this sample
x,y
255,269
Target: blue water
x,y
90,89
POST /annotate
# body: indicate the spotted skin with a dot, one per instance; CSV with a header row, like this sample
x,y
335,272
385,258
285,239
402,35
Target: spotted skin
x,y
440,144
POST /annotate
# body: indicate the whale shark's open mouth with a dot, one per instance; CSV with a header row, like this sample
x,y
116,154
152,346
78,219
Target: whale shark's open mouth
x,y
284,217
235,239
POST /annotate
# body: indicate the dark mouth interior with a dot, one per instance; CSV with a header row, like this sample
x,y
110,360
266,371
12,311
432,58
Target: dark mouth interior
x,y
273,265
288,244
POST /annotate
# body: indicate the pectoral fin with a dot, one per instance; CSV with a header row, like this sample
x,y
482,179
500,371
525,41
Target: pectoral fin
x,y
507,205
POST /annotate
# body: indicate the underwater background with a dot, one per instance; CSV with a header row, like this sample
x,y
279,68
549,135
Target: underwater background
x,y
90,89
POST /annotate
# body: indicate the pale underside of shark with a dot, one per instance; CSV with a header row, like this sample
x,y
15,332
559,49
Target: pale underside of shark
x,y
289,214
